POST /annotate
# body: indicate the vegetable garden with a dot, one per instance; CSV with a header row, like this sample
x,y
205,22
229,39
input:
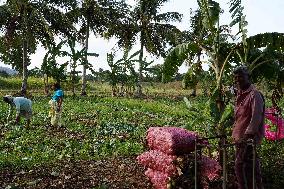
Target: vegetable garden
x,y
107,127
100,139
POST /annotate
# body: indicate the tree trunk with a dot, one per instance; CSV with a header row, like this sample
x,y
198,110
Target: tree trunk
x,y
25,68
25,54
73,80
46,87
140,76
84,82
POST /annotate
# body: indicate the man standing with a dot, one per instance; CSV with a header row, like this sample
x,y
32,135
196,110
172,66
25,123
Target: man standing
x,y
249,124
23,107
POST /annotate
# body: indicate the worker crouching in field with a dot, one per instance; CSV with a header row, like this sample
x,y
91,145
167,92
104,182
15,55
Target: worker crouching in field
x,y
56,104
248,125
23,108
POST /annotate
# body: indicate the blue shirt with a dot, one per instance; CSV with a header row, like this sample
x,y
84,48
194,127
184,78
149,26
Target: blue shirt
x,y
22,104
57,94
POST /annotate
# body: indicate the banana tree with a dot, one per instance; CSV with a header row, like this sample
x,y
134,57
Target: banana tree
x,y
50,67
77,55
214,44
122,71
261,53
220,52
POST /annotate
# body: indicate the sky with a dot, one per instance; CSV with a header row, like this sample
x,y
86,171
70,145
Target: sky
x,y
262,16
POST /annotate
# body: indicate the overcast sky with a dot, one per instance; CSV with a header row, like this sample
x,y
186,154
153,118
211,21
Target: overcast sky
x,y
262,16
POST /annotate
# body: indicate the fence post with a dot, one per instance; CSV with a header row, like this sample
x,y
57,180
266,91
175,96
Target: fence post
x,y
224,184
195,163
253,163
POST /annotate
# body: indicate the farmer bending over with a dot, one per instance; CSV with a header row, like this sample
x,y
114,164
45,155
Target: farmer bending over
x,y
249,124
56,104
23,108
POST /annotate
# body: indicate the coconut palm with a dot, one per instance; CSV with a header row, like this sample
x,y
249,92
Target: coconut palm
x,y
150,27
95,16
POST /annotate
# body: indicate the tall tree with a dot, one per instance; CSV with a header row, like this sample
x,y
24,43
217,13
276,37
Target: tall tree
x,y
27,23
96,16
151,28
154,29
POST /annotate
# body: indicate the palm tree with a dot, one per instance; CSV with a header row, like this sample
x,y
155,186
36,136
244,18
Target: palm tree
x,y
154,30
96,16
151,28
27,23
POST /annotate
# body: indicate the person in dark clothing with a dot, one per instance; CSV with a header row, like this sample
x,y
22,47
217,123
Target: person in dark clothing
x,y
248,125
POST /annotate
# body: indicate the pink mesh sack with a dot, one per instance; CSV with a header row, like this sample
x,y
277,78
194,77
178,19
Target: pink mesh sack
x,y
209,168
158,178
171,140
159,161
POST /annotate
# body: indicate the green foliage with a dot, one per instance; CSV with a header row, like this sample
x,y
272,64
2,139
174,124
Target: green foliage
x,y
274,39
152,26
189,80
210,11
123,71
14,83
44,19
3,74
94,128
236,9
176,57
271,154
50,67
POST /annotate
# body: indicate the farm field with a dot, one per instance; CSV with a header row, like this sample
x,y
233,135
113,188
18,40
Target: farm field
x,y
149,89
98,143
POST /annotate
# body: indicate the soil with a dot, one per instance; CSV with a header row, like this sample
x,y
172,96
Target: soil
x,y
113,173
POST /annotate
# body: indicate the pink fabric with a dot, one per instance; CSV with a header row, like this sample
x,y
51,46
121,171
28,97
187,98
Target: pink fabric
x,y
276,120
171,140
159,161
158,178
249,119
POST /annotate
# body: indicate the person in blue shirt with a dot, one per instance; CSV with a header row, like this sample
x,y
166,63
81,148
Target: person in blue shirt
x,y
56,104
23,108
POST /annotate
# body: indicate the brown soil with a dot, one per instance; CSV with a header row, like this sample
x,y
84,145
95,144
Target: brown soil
x,y
111,173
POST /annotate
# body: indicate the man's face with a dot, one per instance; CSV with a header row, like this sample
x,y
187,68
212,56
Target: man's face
x,y
241,81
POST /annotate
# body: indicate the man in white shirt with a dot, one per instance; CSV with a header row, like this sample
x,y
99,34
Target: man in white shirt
x,y
23,107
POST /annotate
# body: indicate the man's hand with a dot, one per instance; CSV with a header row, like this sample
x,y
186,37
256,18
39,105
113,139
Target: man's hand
x,y
245,138
248,136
